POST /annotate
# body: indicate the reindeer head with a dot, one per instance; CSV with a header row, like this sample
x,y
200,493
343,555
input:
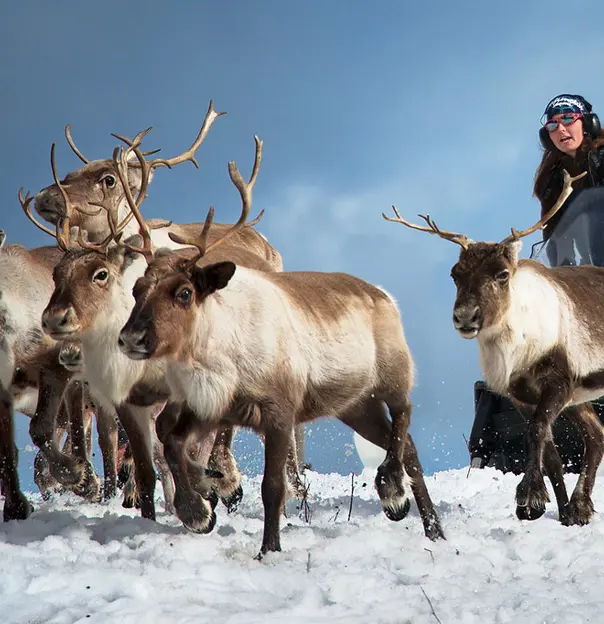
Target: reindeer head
x,y
97,187
170,297
90,287
482,276
95,183
485,271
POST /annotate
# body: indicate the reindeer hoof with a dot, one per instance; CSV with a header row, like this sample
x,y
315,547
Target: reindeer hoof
x,y
130,501
232,501
525,512
89,488
397,511
20,510
212,498
579,513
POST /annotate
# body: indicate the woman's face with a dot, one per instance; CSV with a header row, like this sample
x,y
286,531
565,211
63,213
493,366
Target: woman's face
x,y
567,139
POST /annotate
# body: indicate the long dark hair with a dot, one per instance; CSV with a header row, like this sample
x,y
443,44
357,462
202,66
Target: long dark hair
x,y
553,159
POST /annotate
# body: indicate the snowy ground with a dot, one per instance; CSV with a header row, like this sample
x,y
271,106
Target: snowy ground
x,y
77,562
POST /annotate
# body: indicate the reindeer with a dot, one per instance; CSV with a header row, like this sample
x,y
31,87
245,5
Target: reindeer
x,y
25,287
92,300
97,189
540,343
269,351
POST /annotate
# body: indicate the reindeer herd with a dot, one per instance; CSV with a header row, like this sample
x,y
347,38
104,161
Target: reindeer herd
x,y
178,334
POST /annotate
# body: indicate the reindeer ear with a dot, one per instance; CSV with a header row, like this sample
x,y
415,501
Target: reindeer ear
x,y
123,256
213,277
134,177
512,251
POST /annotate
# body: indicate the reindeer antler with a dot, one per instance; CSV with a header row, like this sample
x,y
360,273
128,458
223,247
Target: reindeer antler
x,y
567,189
189,154
62,232
25,204
73,146
459,239
245,190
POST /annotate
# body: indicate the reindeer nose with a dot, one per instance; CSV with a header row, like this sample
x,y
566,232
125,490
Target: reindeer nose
x,y
467,317
59,322
133,342
48,206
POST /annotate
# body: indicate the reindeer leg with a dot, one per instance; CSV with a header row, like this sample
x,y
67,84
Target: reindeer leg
x,y
80,421
581,507
194,512
69,471
392,481
276,447
137,423
43,478
229,485
552,464
107,431
165,475
369,420
16,505
427,512
531,493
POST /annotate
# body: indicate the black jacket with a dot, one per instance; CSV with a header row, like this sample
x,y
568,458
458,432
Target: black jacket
x,y
595,177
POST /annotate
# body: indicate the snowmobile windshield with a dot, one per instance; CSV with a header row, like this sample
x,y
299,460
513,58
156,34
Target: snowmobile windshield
x,y
578,237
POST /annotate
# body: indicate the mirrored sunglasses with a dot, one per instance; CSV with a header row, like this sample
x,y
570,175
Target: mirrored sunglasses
x,y
551,125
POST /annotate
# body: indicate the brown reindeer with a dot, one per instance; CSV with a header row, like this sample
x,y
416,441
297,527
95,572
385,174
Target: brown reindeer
x,y
96,190
269,351
25,287
540,342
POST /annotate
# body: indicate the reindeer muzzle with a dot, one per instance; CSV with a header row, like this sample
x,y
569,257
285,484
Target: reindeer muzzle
x,y
60,324
136,343
467,320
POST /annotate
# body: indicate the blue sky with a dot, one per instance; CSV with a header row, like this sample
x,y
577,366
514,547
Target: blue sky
x,y
431,106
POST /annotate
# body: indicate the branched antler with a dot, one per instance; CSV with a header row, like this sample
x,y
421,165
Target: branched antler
x,y
25,204
567,189
459,239
189,154
245,191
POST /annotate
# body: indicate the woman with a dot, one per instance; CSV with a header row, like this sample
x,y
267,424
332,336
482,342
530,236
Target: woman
x,y
573,140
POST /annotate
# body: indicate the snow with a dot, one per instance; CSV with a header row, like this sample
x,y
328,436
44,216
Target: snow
x,y
77,562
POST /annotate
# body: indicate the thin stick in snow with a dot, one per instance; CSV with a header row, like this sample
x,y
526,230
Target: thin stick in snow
x,y
351,495
431,606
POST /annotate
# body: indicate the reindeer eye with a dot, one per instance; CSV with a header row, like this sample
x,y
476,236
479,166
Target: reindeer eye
x,y
184,295
108,181
502,276
100,276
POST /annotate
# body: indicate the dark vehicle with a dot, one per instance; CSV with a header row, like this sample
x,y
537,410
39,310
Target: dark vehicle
x,y
498,432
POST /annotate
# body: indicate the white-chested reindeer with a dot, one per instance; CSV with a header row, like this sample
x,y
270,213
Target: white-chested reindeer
x,y
269,351
25,288
541,342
